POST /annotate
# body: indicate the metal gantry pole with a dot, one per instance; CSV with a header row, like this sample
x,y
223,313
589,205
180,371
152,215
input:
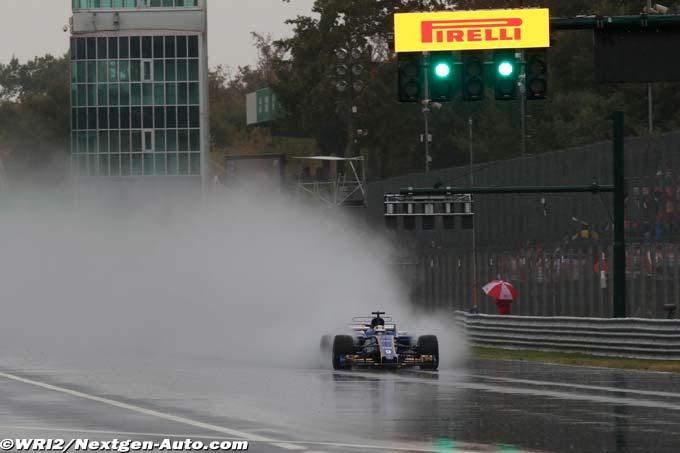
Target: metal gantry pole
x,y
619,213
426,113
349,149
426,110
523,107
475,301
650,108
650,100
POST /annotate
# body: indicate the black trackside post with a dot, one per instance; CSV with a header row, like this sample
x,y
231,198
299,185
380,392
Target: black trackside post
x,y
619,210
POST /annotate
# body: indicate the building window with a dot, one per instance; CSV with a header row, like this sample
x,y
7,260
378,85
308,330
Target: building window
x,y
148,141
147,70
122,4
136,105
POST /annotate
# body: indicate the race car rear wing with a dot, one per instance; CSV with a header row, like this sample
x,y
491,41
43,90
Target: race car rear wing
x,y
359,327
368,319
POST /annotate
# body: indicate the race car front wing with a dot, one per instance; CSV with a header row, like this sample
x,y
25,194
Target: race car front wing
x,y
405,361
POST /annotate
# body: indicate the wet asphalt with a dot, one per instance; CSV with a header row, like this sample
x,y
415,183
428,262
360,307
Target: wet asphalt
x,y
483,405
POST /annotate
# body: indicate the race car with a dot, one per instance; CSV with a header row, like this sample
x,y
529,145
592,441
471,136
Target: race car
x,y
377,343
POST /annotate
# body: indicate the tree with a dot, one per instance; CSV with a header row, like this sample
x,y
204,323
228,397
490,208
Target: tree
x,y
228,95
306,78
34,110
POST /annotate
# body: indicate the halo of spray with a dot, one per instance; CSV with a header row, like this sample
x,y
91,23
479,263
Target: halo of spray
x,y
244,278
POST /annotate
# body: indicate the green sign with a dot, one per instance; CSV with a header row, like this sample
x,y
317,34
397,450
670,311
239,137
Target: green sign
x,y
262,106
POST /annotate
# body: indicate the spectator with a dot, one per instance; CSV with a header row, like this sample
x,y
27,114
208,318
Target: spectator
x,y
503,306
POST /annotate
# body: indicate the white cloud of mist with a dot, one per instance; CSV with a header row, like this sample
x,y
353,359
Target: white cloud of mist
x,y
108,280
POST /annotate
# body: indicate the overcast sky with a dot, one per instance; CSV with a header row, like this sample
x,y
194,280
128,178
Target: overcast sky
x,y
34,27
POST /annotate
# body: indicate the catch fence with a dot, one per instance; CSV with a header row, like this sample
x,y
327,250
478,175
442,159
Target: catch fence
x,y
573,281
556,248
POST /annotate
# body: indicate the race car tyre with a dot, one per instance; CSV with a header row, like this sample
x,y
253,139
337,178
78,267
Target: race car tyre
x,y
326,344
342,345
429,345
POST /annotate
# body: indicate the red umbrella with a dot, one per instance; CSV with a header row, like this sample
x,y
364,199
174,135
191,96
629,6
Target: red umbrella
x,y
501,290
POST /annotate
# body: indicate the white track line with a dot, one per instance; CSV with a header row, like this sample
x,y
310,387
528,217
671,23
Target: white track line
x,y
141,410
618,390
511,390
49,429
562,384
287,446
208,427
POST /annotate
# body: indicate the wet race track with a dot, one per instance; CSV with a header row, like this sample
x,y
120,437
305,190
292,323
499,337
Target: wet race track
x,y
483,406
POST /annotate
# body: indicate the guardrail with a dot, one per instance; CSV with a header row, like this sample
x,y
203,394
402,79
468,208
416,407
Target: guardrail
x,y
637,338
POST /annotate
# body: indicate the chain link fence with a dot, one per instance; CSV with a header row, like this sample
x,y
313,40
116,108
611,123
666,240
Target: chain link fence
x,y
556,249
572,281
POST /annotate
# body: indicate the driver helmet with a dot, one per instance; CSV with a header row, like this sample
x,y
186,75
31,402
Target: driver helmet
x,y
377,322
379,329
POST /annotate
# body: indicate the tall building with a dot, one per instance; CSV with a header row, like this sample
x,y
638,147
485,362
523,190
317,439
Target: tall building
x,y
139,90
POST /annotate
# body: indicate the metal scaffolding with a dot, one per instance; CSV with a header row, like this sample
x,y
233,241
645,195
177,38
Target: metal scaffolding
x,y
341,188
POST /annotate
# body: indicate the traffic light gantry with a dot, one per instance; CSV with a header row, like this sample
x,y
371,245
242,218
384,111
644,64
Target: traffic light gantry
x,y
448,76
427,208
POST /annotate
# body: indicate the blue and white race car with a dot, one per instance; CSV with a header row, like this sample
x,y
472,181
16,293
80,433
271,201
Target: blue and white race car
x,y
378,344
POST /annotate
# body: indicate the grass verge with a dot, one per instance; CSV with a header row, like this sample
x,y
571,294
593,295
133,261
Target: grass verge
x,y
576,359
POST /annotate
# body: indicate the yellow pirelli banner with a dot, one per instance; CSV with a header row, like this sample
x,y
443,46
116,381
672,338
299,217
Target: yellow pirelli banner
x,y
472,30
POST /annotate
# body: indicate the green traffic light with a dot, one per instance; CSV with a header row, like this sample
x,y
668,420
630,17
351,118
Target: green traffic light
x,y
442,70
506,69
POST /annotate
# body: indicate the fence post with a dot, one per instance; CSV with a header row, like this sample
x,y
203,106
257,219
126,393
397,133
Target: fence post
x,y
630,281
581,276
460,298
619,266
466,287
676,276
655,284
554,283
593,302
